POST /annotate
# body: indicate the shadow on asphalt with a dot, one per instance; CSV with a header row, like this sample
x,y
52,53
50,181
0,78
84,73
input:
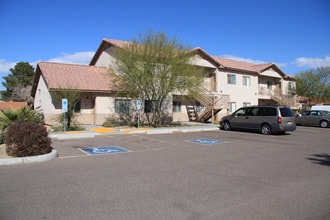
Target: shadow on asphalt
x,y
321,159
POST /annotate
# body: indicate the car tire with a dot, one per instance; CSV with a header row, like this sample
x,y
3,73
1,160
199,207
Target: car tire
x,y
226,126
266,129
324,124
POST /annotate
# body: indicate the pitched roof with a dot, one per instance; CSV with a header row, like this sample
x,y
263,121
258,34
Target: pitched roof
x,y
240,65
106,43
75,77
249,67
12,105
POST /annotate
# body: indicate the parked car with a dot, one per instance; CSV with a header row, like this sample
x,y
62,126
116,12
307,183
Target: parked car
x,y
265,119
314,118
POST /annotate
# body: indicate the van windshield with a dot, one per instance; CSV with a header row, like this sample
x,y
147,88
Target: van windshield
x,y
286,112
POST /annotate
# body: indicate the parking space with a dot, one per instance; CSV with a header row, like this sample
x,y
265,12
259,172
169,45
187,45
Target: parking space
x,y
194,175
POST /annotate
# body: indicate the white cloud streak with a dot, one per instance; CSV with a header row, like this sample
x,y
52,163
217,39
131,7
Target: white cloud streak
x,y
312,62
82,58
75,58
6,65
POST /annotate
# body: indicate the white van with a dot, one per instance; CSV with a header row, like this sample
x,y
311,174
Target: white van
x,y
321,107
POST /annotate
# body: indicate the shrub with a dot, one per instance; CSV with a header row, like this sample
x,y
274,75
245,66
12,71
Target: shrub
x,y
27,139
10,116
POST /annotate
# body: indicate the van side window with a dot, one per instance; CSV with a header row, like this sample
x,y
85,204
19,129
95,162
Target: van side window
x,y
255,111
265,111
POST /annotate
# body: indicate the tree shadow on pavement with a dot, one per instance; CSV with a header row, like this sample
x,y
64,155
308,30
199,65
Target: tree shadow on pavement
x,y
322,159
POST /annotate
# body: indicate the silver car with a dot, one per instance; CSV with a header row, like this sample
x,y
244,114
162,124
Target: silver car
x,y
314,118
265,119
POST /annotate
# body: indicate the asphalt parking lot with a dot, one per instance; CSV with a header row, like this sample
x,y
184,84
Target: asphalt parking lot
x,y
194,175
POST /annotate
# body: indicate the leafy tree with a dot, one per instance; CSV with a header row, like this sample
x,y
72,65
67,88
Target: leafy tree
x,y
314,84
18,83
153,66
73,97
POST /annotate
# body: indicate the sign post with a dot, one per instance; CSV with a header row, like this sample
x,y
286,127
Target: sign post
x,y
64,110
138,107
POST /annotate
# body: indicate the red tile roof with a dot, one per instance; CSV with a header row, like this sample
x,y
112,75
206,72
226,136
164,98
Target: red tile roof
x,y
75,77
12,105
240,65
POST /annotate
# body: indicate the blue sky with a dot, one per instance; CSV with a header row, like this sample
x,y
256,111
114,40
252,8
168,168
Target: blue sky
x,y
294,34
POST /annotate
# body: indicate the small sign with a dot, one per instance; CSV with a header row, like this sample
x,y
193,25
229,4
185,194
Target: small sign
x,y
138,104
207,141
64,105
103,150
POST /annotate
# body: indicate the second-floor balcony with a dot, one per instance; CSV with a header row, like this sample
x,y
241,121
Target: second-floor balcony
x,y
277,96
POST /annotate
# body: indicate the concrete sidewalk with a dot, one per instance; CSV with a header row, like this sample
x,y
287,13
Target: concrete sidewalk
x,y
92,131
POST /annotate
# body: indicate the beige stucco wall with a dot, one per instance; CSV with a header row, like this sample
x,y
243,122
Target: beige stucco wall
x,y
238,92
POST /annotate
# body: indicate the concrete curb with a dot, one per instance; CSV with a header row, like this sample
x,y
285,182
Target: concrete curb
x,y
32,159
73,136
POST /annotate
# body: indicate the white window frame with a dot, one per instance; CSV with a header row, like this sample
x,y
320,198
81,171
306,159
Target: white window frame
x,y
231,79
246,81
232,106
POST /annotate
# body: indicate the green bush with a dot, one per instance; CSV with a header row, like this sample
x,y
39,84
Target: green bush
x,y
10,116
27,139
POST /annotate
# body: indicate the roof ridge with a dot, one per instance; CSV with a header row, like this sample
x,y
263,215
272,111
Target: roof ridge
x,y
72,64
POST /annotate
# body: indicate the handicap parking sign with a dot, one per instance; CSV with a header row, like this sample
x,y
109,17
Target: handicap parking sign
x,y
103,150
206,141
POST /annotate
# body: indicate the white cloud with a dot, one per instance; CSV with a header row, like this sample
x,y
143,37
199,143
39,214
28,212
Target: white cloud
x,y
248,60
75,58
5,66
312,62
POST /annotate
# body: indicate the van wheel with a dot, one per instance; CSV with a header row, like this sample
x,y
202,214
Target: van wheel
x,y
266,129
226,126
324,124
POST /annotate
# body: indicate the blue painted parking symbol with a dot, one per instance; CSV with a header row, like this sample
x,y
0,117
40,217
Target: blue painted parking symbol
x,y
206,141
103,150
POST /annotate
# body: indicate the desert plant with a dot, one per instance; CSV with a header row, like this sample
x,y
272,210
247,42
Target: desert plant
x,y
10,116
27,139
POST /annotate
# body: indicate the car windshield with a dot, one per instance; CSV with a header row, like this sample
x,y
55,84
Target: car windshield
x,y
286,112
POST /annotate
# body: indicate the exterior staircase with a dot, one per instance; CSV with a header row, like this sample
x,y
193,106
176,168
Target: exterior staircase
x,y
211,104
284,100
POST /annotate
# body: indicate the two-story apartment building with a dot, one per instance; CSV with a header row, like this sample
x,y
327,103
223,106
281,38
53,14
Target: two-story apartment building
x,y
228,84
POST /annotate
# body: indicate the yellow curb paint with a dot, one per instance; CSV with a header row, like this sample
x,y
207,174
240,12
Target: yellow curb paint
x,y
103,130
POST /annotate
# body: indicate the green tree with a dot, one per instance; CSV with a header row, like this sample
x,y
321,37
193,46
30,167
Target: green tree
x,y
73,97
314,84
153,66
18,84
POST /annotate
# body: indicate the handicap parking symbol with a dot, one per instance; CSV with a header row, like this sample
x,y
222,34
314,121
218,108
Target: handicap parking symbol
x,y
206,141
103,150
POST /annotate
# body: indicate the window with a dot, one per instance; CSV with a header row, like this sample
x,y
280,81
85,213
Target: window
x,y
232,106
291,85
269,85
122,106
246,104
246,81
176,106
231,79
77,107
150,106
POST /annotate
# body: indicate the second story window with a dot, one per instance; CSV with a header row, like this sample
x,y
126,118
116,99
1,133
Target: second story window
x,y
231,79
246,81
269,85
